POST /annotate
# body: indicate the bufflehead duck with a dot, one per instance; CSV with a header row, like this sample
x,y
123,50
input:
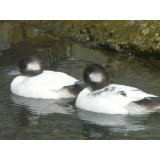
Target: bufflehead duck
x,y
34,82
104,97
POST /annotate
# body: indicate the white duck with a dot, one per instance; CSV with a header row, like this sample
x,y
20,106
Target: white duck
x,y
103,97
36,83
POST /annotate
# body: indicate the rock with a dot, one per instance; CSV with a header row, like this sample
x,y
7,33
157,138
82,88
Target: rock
x,y
145,31
129,36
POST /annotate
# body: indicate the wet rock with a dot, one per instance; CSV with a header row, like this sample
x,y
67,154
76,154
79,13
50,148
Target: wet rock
x,y
84,37
145,31
157,39
140,37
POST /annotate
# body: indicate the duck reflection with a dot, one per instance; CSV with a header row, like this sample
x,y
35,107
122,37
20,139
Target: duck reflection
x,y
43,106
94,124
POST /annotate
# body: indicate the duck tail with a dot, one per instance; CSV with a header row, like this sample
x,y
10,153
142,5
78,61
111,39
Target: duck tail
x,y
149,104
151,95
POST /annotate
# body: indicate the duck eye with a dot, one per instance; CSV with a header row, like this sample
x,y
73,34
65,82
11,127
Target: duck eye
x,y
24,65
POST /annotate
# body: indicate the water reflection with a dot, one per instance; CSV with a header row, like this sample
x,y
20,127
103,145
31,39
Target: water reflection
x,y
116,123
48,54
4,46
43,106
18,31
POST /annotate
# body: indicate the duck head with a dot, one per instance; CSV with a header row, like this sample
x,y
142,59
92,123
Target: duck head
x,y
96,76
28,66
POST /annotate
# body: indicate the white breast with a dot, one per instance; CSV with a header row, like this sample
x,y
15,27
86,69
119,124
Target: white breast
x,y
47,85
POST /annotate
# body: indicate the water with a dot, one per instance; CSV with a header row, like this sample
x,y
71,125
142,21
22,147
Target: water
x,y
27,118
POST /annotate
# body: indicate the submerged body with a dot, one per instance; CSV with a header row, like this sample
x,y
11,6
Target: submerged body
x,y
113,99
103,97
34,82
48,85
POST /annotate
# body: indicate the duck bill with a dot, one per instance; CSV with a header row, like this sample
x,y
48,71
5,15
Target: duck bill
x,y
79,82
15,72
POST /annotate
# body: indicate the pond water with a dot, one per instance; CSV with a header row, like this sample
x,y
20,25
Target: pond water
x,y
28,118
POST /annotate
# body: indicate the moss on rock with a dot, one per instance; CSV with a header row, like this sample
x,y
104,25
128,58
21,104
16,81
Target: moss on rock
x,y
138,37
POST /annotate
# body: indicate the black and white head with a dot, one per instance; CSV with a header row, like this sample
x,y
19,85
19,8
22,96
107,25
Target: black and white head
x,y
96,76
30,66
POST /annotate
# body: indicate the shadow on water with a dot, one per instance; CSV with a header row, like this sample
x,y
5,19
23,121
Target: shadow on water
x,y
27,118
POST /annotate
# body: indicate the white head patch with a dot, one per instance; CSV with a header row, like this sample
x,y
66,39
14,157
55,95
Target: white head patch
x,y
33,66
96,77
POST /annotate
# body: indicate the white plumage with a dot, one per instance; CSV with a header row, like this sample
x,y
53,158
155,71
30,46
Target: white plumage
x,y
33,66
113,99
46,85
96,77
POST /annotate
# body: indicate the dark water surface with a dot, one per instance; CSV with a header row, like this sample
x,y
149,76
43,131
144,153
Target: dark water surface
x,y
27,118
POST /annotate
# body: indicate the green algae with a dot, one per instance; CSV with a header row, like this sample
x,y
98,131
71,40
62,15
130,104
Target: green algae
x,y
134,37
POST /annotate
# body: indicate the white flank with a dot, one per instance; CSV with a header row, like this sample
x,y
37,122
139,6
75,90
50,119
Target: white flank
x,y
47,85
113,99
33,66
96,77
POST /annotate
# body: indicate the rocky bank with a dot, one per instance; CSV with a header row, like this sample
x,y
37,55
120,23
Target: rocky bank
x,y
131,37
